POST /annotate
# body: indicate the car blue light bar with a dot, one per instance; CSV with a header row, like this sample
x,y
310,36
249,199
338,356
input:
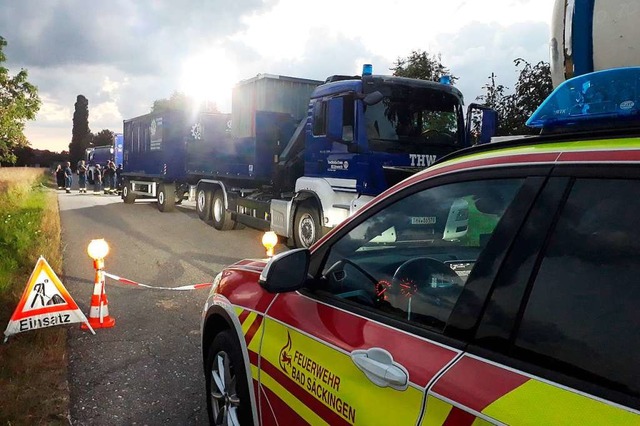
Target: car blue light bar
x,y
367,69
603,96
445,79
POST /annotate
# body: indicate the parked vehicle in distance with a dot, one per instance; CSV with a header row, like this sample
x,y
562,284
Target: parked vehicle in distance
x,y
102,154
295,156
499,285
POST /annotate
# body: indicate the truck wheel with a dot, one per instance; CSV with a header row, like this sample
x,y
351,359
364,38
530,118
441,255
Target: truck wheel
x,y
203,204
166,197
228,400
221,217
307,228
128,196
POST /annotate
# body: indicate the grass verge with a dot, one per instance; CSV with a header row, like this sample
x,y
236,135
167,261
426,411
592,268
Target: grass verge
x,y
33,365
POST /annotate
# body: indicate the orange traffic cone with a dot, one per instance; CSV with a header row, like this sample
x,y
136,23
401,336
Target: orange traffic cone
x,y
99,310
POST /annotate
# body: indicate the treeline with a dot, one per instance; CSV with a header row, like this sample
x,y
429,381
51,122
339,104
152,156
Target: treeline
x,y
513,107
30,157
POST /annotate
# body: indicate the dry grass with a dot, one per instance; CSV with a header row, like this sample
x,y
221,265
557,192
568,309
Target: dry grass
x,y
33,365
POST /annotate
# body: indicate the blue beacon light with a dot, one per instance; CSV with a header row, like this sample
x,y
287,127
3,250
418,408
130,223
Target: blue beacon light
x,y
367,69
445,79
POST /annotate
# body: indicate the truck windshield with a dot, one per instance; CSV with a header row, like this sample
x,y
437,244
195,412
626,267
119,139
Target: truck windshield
x,y
413,120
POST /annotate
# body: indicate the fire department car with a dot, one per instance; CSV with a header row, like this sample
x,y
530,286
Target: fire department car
x,y
499,285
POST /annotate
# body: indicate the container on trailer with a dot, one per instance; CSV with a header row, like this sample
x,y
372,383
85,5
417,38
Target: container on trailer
x,y
265,92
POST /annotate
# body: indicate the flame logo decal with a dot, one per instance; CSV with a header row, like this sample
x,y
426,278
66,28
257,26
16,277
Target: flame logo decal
x,y
285,358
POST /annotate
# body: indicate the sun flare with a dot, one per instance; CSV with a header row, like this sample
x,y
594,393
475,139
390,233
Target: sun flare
x,y
209,76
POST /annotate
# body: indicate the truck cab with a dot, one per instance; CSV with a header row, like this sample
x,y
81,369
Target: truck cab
x,y
364,134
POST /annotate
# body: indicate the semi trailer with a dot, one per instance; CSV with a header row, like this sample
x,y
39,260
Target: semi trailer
x,y
295,156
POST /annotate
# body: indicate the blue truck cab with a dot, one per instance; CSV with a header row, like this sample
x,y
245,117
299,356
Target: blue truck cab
x,y
362,130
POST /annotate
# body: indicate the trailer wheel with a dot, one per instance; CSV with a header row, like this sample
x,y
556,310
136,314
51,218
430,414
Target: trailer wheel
x,y
127,196
307,229
166,197
203,204
221,217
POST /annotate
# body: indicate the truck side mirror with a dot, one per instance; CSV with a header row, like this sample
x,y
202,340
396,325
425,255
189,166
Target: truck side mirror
x,y
373,98
487,120
489,125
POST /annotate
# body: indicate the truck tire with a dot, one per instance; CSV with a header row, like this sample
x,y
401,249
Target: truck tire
x,y
203,204
127,196
221,217
307,229
166,197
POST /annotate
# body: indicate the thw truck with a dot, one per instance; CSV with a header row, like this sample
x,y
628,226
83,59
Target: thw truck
x,y
295,156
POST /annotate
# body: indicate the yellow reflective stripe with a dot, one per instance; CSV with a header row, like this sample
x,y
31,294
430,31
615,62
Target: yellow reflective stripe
x,y
303,411
351,386
536,402
607,144
238,310
255,373
247,323
437,411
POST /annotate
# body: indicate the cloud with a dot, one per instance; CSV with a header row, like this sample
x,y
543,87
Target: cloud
x,y
138,37
478,49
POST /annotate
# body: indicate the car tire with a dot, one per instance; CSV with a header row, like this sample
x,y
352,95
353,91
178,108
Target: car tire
x,y
166,197
226,382
127,196
203,204
221,216
307,229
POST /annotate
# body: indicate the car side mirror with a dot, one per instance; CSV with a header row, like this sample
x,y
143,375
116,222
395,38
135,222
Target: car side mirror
x,y
286,271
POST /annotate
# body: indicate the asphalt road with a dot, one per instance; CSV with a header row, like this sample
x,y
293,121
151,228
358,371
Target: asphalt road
x,y
147,369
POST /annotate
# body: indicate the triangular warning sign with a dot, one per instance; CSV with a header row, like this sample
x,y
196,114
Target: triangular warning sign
x,y
45,302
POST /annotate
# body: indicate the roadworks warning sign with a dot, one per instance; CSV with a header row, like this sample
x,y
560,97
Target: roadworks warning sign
x,y
44,303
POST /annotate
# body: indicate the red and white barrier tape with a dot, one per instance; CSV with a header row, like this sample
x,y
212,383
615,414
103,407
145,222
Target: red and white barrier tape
x,y
181,288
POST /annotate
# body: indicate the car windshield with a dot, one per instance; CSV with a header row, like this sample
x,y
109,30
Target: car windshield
x,y
410,118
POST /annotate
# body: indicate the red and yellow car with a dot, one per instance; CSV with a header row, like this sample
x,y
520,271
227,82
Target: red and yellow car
x,y
498,286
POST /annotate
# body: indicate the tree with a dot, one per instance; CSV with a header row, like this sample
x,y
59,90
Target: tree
x,y
19,102
103,137
182,102
80,134
422,66
533,87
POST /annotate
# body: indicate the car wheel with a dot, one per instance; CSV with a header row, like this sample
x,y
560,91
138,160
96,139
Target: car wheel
x,y
166,197
203,204
221,216
128,196
307,228
228,401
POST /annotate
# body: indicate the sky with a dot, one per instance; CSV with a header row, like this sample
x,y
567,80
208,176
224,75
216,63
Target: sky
x,y
122,55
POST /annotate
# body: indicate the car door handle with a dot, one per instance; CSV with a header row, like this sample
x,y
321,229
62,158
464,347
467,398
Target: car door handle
x,y
379,367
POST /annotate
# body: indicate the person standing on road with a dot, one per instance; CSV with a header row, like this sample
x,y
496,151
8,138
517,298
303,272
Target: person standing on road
x,y
119,178
112,175
59,176
82,177
68,177
97,179
106,177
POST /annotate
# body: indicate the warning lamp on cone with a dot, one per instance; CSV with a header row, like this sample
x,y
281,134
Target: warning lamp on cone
x,y
269,241
98,250
99,311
